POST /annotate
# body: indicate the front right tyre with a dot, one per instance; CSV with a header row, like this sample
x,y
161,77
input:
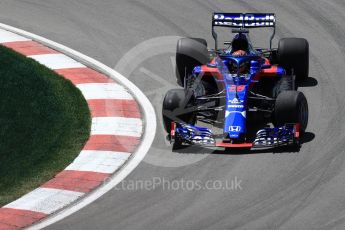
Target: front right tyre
x,y
190,52
175,108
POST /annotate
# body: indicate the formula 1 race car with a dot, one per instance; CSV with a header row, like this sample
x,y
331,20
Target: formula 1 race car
x,y
248,94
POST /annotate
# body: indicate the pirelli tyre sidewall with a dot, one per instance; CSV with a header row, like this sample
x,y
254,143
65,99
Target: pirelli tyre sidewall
x,y
291,107
190,52
175,104
293,53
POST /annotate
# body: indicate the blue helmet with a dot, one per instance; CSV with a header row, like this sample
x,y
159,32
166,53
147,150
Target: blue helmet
x,y
240,42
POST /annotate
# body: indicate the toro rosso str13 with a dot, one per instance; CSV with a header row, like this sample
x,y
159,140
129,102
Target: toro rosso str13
x,y
248,94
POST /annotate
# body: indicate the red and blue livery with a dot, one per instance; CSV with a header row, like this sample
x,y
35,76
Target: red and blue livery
x,y
238,95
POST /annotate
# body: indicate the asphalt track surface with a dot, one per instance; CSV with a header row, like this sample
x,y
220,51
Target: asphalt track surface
x,y
278,190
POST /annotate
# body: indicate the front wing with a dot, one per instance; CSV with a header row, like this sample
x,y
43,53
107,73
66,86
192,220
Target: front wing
x,y
288,134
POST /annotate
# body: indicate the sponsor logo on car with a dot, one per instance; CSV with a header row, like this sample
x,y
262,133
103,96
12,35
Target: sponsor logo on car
x,y
236,106
248,20
240,88
226,23
235,128
247,17
235,101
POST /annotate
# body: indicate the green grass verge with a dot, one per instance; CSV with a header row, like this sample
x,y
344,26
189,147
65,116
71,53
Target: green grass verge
x,y
44,123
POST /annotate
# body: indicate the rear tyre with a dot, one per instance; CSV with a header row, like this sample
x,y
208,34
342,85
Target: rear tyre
x,y
293,53
174,104
190,52
291,107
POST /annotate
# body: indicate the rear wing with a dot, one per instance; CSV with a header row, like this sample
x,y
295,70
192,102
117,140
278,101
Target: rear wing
x,y
247,20
243,20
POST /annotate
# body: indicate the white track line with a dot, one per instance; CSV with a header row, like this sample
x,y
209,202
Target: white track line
x,y
6,36
45,200
104,91
147,137
57,61
122,126
98,161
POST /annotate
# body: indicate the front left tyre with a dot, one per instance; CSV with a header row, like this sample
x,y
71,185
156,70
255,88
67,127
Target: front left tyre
x,y
291,107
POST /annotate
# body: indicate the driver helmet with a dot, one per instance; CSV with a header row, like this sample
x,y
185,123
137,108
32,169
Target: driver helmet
x,y
240,43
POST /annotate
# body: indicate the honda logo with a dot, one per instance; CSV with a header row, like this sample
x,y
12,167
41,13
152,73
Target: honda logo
x,y
235,128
